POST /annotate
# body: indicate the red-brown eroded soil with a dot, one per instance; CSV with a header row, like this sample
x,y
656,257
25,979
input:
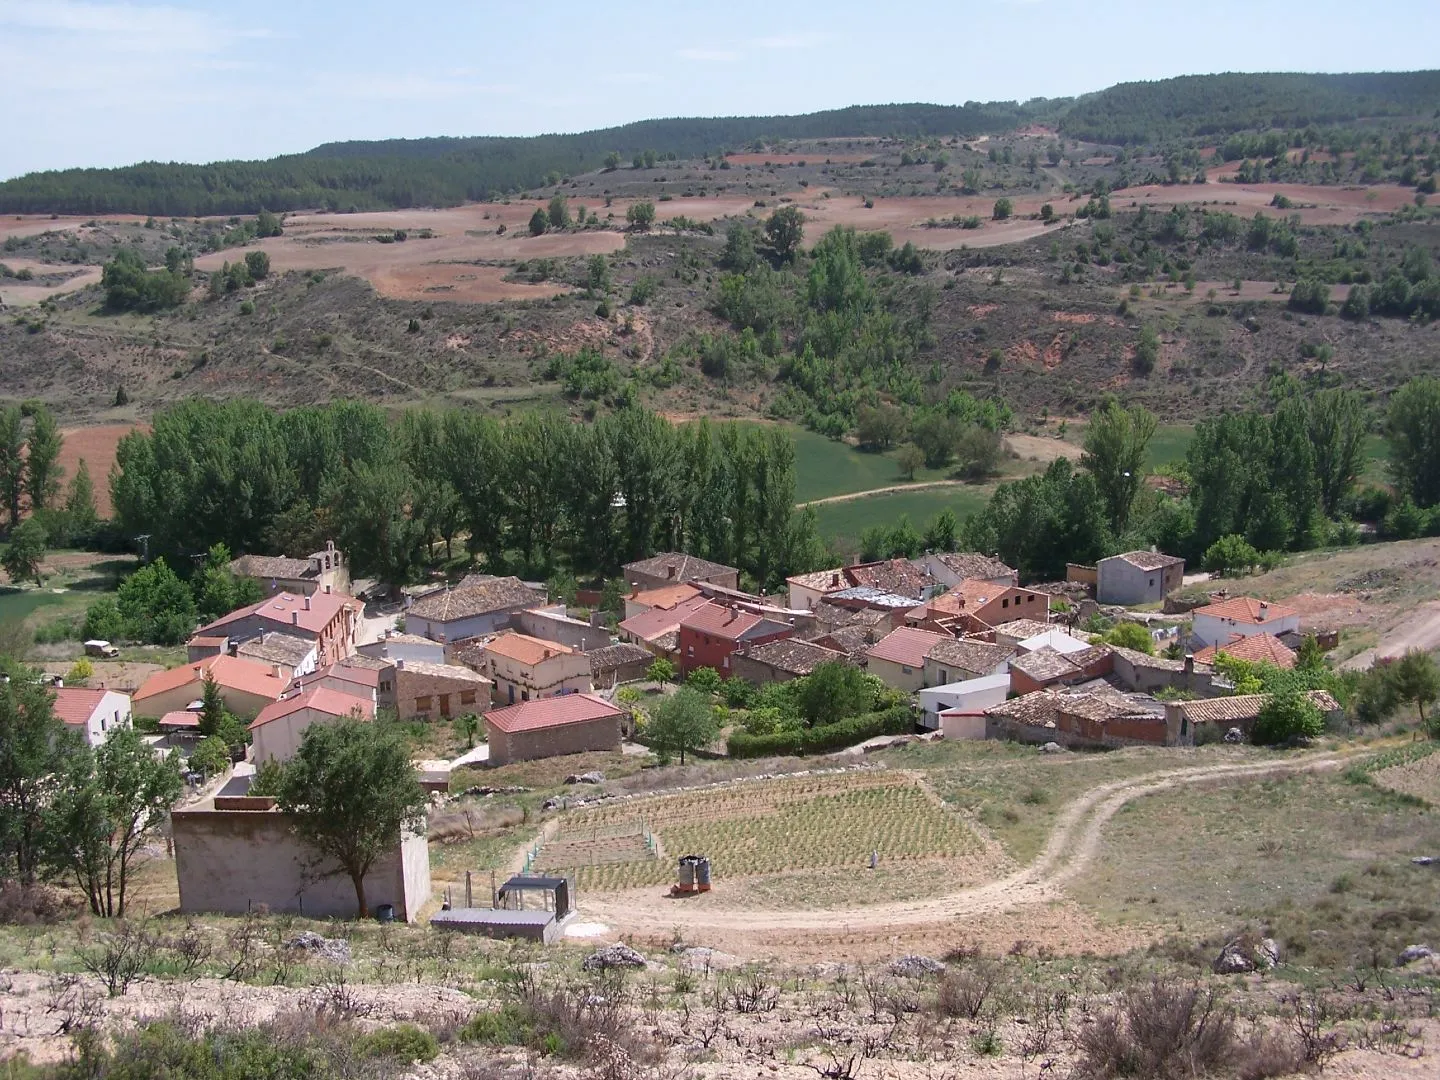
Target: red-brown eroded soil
x,y
96,445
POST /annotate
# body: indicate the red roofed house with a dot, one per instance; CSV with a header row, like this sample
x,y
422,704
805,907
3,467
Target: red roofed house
x,y
278,729
1245,616
361,682
1256,649
326,617
709,634
524,667
664,598
92,713
659,628
246,686
567,724
898,659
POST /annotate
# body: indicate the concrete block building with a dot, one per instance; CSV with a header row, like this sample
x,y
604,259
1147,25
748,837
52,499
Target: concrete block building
x,y
570,724
1138,577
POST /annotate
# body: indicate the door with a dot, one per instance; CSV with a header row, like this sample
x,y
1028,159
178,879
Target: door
x,y
444,704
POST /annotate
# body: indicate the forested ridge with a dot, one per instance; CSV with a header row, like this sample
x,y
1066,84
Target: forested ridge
x,y
446,171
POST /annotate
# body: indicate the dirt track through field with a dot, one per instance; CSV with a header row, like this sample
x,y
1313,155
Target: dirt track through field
x,y
1071,847
851,496
1420,630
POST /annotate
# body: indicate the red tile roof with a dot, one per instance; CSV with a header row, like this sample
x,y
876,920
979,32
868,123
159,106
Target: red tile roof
x,y
289,610
342,672
1246,609
667,596
321,699
550,712
75,706
907,646
720,621
657,622
180,718
526,649
231,672
1257,649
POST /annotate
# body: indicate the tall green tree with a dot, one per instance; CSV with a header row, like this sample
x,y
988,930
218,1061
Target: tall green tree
x,y
832,692
80,512
1040,523
157,607
681,723
42,459
1413,428
110,803
34,748
25,552
12,463
1337,436
1117,444
1415,679
352,795
559,212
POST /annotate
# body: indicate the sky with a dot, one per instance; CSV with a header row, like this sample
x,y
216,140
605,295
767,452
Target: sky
x,y
94,83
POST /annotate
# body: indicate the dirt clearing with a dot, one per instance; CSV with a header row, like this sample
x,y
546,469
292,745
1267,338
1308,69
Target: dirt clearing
x,y
96,445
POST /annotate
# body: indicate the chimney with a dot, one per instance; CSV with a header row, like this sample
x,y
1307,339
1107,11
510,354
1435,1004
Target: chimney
x,y
59,682
835,579
294,618
1190,671
327,590
399,665
1264,611
275,670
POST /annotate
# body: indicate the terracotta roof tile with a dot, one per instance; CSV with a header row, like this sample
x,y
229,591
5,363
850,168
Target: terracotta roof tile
x,y
720,621
1228,710
971,564
980,657
907,646
667,596
612,657
231,672
75,705
321,699
550,712
792,655
289,612
1257,649
526,649
480,598
272,566
1246,609
899,576
655,623
685,567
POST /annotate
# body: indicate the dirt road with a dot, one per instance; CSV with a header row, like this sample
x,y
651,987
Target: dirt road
x,y
1072,845
851,496
1418,630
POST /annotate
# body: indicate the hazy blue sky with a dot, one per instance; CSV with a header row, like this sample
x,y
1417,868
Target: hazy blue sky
x,y
98,83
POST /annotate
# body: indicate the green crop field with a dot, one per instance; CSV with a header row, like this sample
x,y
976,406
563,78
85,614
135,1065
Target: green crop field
x,y
824,467
18,606
844,521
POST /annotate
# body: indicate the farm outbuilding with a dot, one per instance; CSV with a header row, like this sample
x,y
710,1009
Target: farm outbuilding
x,y
550,727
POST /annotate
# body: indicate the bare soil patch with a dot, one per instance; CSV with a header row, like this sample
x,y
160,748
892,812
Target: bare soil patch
x,y
1038,448
96,445
1316,205
820,157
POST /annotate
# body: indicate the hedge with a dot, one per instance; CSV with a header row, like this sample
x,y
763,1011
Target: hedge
x,y
897,720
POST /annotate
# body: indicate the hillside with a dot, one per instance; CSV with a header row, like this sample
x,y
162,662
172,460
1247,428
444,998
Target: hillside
x,y
448,171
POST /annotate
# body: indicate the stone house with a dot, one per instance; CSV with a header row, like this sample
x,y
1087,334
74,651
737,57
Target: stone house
x,y
554,624
417,689
957,659
328,618
1138,577
1208,720
479,605
569,724
951,568
295,655
523,668
93,714
619,663
805,591
975,606
1241,616
396,645
325,570
677,568
781,660
277,731
246,686
1047,666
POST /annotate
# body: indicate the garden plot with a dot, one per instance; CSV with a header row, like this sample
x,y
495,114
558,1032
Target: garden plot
x,y
1416,773
767,828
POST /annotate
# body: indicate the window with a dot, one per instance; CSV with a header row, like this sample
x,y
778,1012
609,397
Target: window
x,y
1004,603
1030,599
725,663
1152,583
944,676
467,697
690,650
422,704
906,670
384,686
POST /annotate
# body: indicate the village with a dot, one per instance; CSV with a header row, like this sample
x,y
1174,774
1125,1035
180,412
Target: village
x,y
961,650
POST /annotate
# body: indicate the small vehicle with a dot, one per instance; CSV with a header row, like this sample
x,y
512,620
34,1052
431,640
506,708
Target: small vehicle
x,y
102,649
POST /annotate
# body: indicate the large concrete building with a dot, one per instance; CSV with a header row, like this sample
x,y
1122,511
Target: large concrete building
x,y
1138,577
570,724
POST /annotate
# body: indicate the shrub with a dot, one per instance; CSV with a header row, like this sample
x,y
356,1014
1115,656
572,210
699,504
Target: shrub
x,y
1003,209
705,679
405,1042
1230,555
1164,1031
819,740
1287,717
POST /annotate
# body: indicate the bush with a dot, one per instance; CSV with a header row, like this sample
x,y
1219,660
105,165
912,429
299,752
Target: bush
x,y
819,740
405,1042
1003,209
1230,555
705,679
1287,717
1164,1031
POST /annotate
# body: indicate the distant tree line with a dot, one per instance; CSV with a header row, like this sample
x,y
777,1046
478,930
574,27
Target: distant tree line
x,y
530,495
448,171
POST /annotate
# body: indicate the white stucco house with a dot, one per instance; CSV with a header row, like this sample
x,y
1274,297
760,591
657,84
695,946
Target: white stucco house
x,y
1245,616
92,713
970,696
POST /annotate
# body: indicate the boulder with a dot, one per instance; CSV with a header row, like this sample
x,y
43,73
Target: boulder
x,y
915,967
1247,954
333,950
585,778
1413,953
700,958
613,956
1423,860
1052,748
